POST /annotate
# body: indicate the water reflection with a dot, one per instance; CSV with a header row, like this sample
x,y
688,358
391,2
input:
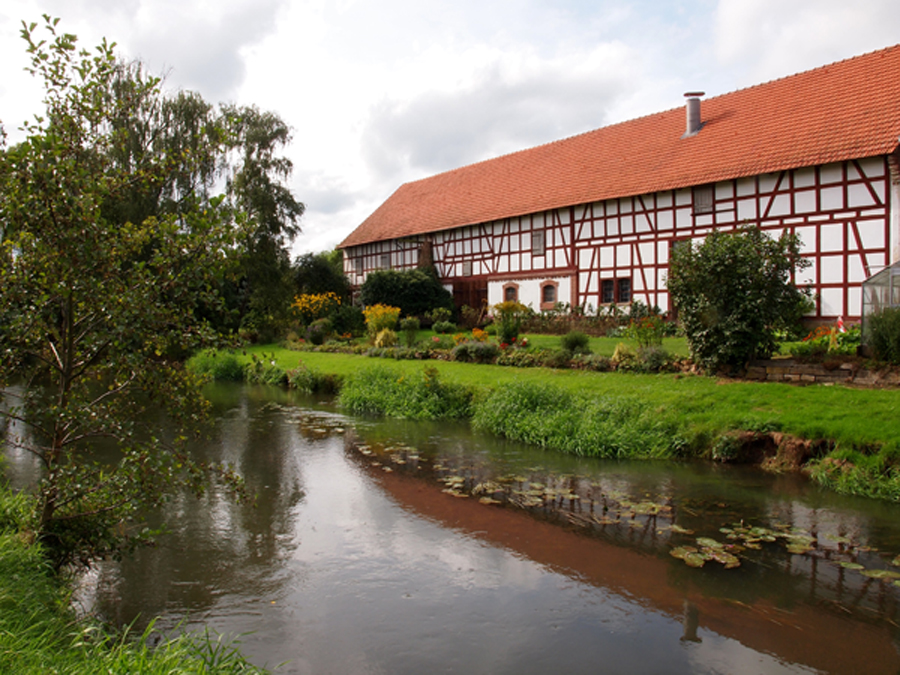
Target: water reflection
x,y
408,548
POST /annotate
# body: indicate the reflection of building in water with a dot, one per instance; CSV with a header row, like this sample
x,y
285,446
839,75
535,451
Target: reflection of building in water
x,y
797,607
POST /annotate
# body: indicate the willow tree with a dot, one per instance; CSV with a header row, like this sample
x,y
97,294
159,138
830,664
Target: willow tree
x,y
96,307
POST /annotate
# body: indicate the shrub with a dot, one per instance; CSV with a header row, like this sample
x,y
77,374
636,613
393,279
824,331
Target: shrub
x,y
884,334
220,366
653,359
444,327
474,351
556,358
648,331
312,306
410,328
415,292
734,293
312,381
576,342
348,319
438,314
508,317
624,356
264,370
595,362
386,338
380,317
318,331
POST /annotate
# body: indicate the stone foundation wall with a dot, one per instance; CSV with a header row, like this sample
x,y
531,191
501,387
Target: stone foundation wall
x,y
788,370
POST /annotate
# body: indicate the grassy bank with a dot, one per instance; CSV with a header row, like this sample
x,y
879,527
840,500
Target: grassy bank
x,y
39,633
676,415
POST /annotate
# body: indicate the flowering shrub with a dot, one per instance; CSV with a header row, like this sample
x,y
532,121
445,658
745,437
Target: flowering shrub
x,y
508,316
312,306
648,330
380,317
829,340
479,335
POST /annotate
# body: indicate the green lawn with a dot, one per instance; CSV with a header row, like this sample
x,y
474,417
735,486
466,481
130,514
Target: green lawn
x,y
852,417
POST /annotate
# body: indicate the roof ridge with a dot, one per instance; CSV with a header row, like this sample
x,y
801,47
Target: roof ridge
x,y
825,66
841,110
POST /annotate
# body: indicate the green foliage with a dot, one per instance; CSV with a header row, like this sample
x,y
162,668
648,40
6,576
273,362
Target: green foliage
x,y
444,327
380,390
555,418
381,317
410,328
875,474
734,293
318,273
98,309
217,365
438,314
647,331
385,338
264,370
348,320
415,292
475,351
508,318
827,340
576,342
39,632
884,334
312,381
319,331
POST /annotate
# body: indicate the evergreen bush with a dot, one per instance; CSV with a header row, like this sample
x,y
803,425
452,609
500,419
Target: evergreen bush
x,y
884,335
576,342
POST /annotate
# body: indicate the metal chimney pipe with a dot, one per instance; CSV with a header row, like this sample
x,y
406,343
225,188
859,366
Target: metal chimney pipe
x,y
693,112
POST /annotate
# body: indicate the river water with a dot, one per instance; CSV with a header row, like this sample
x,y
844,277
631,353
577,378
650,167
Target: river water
x,y
400,547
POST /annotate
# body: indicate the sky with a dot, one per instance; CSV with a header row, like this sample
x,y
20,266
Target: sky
x,y
381,93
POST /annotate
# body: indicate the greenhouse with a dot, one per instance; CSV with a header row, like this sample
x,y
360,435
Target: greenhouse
x,y
880,291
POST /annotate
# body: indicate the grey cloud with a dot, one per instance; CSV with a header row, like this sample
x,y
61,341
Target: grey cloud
x,y
204,50
323,194
441,131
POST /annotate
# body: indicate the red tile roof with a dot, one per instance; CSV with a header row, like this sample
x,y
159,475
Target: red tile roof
x,y
846,110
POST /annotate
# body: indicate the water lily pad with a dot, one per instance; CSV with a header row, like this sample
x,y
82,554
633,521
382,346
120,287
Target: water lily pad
x,y
488,500
695,559
881,574
677,529
681,551
851,565
708,543
799,549
896,561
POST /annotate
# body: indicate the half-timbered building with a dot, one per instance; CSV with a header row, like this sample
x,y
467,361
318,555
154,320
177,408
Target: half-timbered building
x,y
590,220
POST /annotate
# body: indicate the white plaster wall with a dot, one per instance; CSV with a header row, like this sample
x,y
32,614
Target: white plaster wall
x,y
530,291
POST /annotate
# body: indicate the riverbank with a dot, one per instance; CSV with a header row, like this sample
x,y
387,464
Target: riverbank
x,y
844,438
39,632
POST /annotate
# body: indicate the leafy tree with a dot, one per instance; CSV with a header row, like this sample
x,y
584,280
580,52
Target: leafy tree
x,y
269,214
415,292
95,307
316,273
734,292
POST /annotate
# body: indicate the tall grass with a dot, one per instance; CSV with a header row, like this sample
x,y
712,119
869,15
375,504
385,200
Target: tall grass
x,y
40,634
380,390
551,417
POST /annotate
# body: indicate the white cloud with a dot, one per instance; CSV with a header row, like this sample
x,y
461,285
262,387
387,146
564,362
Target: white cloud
x,y
382,93
766,39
